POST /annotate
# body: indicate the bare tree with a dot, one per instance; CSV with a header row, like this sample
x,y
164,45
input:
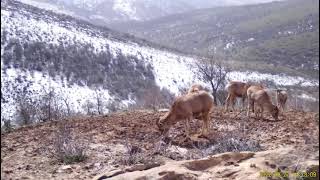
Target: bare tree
x,y
67,103
89,106
156,98
99,101
48,106
26,111
212,71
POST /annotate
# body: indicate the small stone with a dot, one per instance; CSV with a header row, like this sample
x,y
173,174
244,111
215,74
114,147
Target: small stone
x,y
88,166
28,167
283,167
137,167
66,168
97,164
25,177
253,165
273,166
8,171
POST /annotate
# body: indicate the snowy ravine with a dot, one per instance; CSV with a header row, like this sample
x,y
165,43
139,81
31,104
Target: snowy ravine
x,y
171,70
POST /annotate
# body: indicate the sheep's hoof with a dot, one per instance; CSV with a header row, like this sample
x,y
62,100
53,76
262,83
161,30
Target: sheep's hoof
x,y
203,136
184,140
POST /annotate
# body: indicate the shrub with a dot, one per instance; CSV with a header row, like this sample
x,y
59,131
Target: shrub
x,y
7,126
66,148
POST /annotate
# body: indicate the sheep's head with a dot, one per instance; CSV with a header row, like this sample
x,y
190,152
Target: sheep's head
x,y
164,124
275,112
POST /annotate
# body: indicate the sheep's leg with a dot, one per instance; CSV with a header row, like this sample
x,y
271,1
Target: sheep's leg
x,y
233,102
248,107
243,103
203,128
283,107
187,127
227,103
205,125
250,104
261,112
206,122
256,111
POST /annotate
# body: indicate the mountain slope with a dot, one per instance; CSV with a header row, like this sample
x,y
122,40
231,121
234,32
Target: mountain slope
x,y
44,53
271,37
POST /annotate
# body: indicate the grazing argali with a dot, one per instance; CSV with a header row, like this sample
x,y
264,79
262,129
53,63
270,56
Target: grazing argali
x,y
185,108
282,97
258,100
236,89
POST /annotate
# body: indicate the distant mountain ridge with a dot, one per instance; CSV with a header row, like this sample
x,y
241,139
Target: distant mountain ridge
x,y
115,11
270,37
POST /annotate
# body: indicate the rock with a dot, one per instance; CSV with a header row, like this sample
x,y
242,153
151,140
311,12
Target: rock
x,y
273,166
65,168
28,167
8,171
175,175
97,165
141,167
253,165
201,165
88,166
283,167
25,177
137,167
111,174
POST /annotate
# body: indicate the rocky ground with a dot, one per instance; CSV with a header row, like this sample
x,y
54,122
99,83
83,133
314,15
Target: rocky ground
x,y
127,145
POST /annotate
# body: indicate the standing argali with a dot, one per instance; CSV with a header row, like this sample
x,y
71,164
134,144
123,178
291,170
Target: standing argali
x,y
236,89
282,97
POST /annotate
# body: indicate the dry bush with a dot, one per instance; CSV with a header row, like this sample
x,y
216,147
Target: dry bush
x,y
133,155
66,148
229,141
233,142
26,111
162,147
114,105
154,98
7,126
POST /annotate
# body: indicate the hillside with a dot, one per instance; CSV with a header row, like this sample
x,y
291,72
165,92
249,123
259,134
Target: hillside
x,y
128,145
271,37
55,63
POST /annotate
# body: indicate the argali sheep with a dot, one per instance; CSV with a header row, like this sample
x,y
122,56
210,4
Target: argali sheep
x,y
195,88
260,100
282,97
236,89
185,108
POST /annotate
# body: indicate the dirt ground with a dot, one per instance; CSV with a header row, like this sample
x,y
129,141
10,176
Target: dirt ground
x,y
26,152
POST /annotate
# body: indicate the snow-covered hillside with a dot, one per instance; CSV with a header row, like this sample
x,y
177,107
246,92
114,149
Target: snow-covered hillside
x,y
22,25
